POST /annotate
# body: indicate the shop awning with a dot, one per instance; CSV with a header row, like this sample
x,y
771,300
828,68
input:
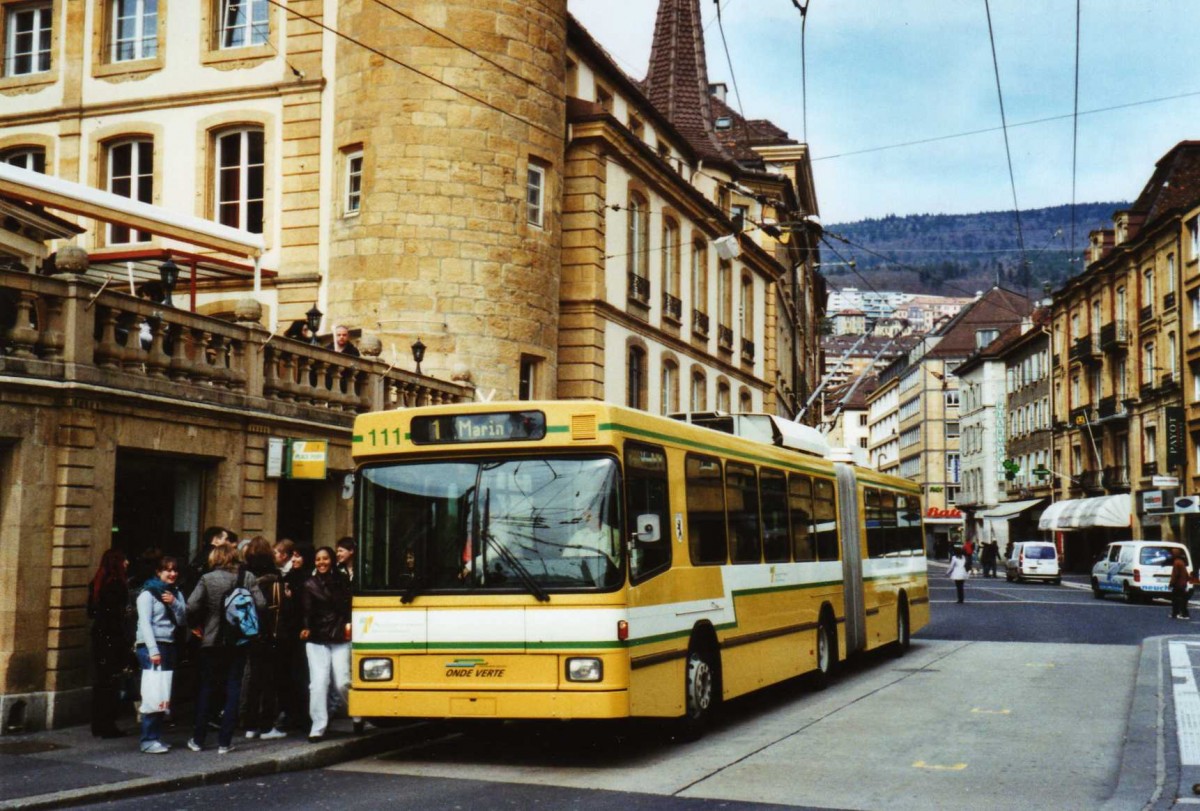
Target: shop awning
x,y
1009,509
1082,513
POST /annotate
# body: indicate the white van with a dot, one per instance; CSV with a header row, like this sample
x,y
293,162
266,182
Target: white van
x,y
1137,570
1033,560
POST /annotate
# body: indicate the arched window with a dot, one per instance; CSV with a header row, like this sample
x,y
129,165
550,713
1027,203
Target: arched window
x,y
635,386
725,293
745,402
723,396
130,168
637,245
699,398
240,179
700,278
670,387
32,158
670,269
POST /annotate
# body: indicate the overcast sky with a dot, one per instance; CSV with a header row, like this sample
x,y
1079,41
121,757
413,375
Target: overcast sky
x,y
886,72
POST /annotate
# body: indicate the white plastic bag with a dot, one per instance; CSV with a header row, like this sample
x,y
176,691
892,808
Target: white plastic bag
x,y
156,690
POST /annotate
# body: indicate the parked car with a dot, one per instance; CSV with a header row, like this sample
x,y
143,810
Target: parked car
x,y
1033,560
1137,570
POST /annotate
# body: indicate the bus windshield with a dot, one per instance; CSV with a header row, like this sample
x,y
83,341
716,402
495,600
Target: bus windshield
x,y
536,525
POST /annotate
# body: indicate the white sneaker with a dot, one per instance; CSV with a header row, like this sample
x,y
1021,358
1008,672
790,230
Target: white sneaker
x,y
156,748
225,750
274,734
195,747
251,734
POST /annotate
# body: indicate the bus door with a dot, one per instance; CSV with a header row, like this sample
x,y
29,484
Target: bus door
x,y
852,563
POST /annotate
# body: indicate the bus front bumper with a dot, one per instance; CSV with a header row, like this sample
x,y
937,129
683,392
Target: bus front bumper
x,y
488,704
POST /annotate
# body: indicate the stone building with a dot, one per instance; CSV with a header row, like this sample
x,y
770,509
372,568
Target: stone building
x,y
476,175
1122,337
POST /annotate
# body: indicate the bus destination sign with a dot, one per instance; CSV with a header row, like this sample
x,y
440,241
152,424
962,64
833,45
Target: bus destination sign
x,y
498,427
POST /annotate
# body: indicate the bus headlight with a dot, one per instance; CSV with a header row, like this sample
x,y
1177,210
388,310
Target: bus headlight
x,y
375,669
585,670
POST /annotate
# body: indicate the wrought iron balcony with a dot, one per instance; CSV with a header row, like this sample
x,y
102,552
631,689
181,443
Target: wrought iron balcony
x,y
1146,313
1112,408
1169,301
1091,480
639,288
1114,336
1116,477
747,350
724,337
1169,381
672,308
1081,416
1150,468
1086,348
699,324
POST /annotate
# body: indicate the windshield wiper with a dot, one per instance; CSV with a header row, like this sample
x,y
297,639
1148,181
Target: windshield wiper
x,y
513,563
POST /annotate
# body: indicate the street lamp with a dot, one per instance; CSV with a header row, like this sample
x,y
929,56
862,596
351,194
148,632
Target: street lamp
x,y
168,272
313,320
418,350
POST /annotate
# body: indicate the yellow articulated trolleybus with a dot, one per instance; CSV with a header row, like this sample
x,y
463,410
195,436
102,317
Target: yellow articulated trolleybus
x,y
583,560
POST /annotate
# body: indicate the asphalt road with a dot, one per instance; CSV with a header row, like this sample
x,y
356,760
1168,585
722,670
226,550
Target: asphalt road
x,y
952,725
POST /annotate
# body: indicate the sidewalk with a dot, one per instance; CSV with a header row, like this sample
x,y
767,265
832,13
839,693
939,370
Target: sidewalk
x,y
68,767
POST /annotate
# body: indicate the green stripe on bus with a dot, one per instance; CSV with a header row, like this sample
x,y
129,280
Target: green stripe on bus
x,y
356,438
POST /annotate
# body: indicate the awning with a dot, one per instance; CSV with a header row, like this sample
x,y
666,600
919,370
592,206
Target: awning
x,y
1082,513
1009,508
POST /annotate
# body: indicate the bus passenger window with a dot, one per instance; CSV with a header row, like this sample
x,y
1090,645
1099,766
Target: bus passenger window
x,y
896,545
775,517
646,492
741,499
908,521
825,514
876,538
804,543
705,509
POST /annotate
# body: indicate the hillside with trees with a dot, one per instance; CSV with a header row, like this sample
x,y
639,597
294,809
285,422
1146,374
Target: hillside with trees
x,y
959,254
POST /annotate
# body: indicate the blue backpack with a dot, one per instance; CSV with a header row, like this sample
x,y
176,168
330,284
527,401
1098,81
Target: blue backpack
x,y
239,620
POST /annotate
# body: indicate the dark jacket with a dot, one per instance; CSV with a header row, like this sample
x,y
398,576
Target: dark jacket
x,y
327,607
1180,576
112,641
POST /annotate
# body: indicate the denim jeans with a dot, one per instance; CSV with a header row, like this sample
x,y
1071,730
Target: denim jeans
x,y
152,721
219,664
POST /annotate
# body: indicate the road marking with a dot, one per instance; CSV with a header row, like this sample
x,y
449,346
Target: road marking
x,y
990,712
934,767
1187,702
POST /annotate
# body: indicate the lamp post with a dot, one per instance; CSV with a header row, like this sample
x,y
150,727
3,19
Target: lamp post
x,y
418,350
313,321
168,272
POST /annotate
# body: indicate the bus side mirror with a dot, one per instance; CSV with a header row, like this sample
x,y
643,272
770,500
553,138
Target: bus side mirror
x,y
649,530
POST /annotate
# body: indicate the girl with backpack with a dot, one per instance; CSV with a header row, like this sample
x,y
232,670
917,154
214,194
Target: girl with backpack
x,y
326,629
161,612
222,658
260,693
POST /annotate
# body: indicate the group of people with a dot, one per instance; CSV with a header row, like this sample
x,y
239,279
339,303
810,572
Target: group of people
x,y
289,671
341,337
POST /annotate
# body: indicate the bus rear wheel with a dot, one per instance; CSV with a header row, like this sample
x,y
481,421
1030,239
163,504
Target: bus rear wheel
x,y
700,693
903,631
826,655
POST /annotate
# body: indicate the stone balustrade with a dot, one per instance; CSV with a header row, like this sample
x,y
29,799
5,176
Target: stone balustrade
x,y
71,330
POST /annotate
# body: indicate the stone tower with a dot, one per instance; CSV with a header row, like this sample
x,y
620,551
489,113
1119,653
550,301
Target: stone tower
x,y
442,247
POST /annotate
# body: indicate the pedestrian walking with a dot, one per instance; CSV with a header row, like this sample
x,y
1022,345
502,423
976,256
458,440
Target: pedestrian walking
x,y
958,571
161,613
968,550
326,630
222,661
1180,580
987,558
107,607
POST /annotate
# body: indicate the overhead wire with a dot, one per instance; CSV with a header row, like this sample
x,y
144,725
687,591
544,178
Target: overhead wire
x,y
1029,123
1075,129
1007,150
